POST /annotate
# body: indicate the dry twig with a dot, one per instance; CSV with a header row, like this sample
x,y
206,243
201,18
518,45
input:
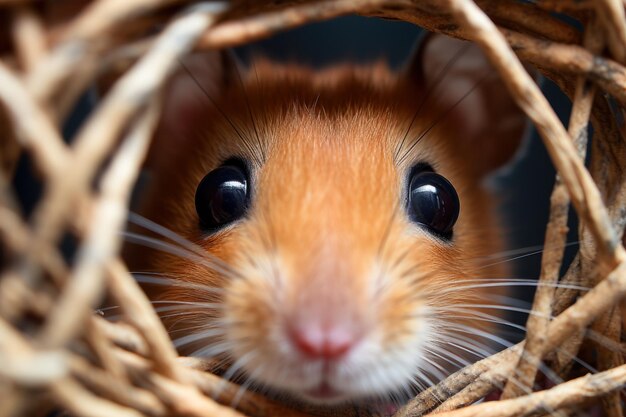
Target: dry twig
x,y
556,236
567,394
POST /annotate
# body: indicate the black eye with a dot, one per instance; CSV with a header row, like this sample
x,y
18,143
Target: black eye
x,y
433,202
222,196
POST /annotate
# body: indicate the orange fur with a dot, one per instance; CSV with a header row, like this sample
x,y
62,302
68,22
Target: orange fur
x,y
326,236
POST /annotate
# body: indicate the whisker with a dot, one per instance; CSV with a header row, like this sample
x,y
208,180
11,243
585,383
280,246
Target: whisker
x,y
222,113
537,252
196,337
177,251
437,370
184,243
526,250
442,116
212,351
190,306
200,326
150,279
248,383
181,304
234,369
542,367
261,151
427,382
477,332
450,357
485,349
527,390
505,308
432,87
514,283
477,315
466,346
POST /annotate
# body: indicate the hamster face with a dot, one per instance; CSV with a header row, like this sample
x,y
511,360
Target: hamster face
x,y
316,275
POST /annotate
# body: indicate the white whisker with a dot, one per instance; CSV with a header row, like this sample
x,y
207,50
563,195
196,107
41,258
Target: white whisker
x,y
149,279
537,252
196,337
204,259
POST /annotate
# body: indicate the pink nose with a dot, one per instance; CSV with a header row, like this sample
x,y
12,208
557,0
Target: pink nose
x,y
322,343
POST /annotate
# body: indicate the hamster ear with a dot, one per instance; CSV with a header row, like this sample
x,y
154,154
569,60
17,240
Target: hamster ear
x,y
201,79
457,77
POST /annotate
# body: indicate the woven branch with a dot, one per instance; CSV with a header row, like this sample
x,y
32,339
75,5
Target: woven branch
x,y
51,52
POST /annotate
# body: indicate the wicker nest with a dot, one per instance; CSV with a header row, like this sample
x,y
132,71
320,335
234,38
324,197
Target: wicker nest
x,y
55,353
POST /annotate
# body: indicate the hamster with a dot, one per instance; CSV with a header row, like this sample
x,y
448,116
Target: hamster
x,y
340,227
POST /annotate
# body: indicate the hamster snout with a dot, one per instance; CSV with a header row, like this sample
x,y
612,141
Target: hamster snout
x,y
343,220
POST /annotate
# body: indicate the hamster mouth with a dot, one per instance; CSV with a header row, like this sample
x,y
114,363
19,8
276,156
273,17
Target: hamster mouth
x,y
324,392
324,395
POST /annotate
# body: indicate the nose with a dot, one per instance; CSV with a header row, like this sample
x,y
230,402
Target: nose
x,y
329,342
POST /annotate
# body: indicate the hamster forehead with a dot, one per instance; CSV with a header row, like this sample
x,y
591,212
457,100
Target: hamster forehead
x,y
345,122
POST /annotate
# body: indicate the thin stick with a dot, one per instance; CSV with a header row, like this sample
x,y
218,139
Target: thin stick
x,y
129,95
224,391
122,334
29,37
582,190
459,381
496,369
567,394
17,237
73,397
614,17
83,40
610,325
516,15
556,236
35,130
108,386
609,75
246,29
102,240
138,310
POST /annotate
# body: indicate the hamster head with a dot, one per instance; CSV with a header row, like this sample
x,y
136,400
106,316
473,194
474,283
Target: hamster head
x,y
329,261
